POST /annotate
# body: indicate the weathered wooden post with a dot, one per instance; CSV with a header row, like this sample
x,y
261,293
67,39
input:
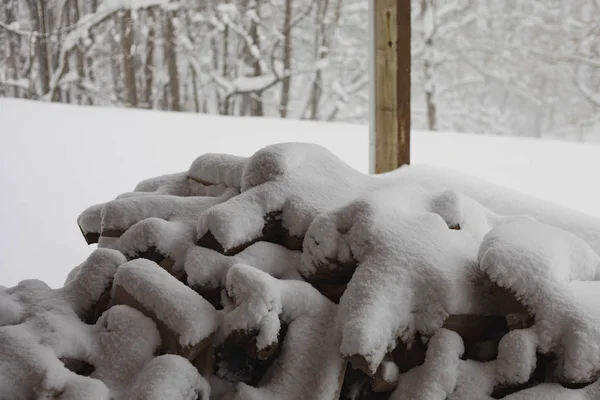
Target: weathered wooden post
x,y
390,84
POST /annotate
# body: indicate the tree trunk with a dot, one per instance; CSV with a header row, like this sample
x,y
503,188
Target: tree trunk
x,y
37,12
320,53
64,95
79,57
13,46
225,67
428,21
323,33
287,60
171,55
254,100
129,81
149,62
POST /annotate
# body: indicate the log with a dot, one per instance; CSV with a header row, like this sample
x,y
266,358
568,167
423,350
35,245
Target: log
x,y
247,364
272,232
153,254
170,339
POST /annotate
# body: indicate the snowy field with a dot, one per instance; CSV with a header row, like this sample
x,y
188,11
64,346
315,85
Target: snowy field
x,y
56,160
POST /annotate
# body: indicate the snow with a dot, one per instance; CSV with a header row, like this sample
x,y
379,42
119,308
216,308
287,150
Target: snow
x,y
506,201
92,277
554,391
413,270
309,364
436,378
555,274
181,309
164,222
170,377
444,375
218,169
45,329
272,181
125,341
421,244
69,168
208,268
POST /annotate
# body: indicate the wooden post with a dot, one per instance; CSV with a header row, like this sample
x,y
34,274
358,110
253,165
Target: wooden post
x,y
390,93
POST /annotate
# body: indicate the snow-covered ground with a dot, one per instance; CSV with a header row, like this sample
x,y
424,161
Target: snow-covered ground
x,y
57,160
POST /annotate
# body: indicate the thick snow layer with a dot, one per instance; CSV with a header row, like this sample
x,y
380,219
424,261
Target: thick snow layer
x,y
181,309
444,375
436,378
505,201
554,391
170,377
78,169
414,268
218,169
208,268
125,340
160,215
164,222
309,365
44,329
556,275
91,278
299,180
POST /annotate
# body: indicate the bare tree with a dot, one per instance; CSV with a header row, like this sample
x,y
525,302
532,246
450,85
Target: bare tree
x,y
127,39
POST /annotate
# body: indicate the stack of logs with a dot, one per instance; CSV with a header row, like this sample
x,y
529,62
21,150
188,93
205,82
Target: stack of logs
x,y
481,334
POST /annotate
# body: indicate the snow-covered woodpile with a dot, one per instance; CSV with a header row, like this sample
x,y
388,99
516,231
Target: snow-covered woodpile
x,y
288,275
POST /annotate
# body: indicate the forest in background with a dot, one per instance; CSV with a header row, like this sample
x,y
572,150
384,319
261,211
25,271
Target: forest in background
x,y
511,67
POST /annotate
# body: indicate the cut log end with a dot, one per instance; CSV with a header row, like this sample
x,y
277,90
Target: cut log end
x,y
79,367
272,232
153,254
519,321
242,360
409,355
209,241
103,304
360,363
90,237
210,294
112,233
476,328
381,382
201,181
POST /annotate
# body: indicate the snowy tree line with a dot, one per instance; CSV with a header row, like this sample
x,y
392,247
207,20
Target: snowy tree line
x,y
504,67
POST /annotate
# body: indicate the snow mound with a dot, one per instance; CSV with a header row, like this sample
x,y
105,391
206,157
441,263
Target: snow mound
x,y
553,273
309,366
182,314
292,182
221,283
49,351
170,377
396,236
208,268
